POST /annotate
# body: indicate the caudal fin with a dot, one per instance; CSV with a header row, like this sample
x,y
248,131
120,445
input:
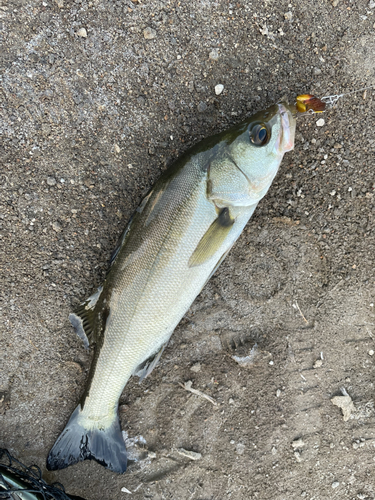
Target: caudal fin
x,y
76,443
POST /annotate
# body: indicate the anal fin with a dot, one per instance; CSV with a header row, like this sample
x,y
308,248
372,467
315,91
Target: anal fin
x,y
144,369
212,240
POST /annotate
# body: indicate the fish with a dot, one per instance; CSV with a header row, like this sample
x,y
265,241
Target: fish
x,y
173,244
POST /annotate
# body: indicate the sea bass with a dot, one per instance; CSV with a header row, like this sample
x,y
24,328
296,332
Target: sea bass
x,y
173,244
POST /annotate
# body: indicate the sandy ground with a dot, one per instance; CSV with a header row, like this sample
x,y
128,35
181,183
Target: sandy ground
x,y
93,109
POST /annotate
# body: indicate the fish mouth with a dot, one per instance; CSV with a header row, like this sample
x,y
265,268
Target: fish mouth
x,y
288,127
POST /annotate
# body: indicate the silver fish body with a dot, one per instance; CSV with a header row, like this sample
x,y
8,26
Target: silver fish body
x,y
175,241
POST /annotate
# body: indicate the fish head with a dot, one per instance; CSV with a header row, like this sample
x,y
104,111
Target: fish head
x,y
257,146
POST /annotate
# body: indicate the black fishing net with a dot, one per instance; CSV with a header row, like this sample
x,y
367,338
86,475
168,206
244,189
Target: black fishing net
x,y
18,482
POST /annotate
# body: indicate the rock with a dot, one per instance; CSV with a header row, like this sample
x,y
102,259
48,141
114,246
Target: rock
x,y
117,148
51,181
149,33
335,484
320,122
202,106
219,88
371,4
196,368
346,405
82,33
56,226
125,490
214,54
317,71
288,16
189,454
335,3
240,448
298,443
318,363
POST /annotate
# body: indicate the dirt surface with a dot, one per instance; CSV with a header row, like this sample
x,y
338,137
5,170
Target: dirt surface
x,y
93,109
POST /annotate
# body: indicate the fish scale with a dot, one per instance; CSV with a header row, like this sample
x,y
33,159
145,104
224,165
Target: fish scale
x,y
174,243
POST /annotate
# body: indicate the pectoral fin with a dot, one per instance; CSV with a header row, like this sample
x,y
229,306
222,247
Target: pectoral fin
x,y
212,239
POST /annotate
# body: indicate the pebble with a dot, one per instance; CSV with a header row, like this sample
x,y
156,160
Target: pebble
x,y
320,122
51,181
288,16
202,106
214,54
335,3
82,33
298,443
318,363
335,484
196,368
56,226
189,454
346,405
317,71
240,448
371,353
278,393
219,88
371,4
125,490
117,148
149,33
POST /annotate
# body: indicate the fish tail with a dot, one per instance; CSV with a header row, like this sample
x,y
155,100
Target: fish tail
x,y
76,443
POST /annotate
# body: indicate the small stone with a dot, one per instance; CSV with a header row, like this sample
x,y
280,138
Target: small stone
x,y
317,71
278,393
125,490
56,226
196,368
297,455
335,3
51,181
232,441
117,148
335,484
214,54
337,146
240,448
346,405
318,363
320,122
219,88
371,4
151,454
189,454
298,443
371,352
202,106
46,129
82,33
60,4
149,33
288,16
231,401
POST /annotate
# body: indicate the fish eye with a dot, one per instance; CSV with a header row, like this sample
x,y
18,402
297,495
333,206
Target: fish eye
x,y
259,134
